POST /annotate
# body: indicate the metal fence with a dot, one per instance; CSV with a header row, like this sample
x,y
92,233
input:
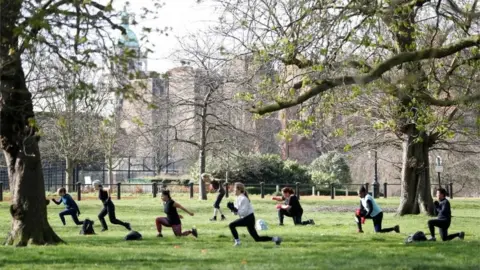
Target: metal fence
x,y
120,190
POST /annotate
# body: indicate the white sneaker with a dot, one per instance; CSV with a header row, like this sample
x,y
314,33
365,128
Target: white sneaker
x,y
237,244
277,240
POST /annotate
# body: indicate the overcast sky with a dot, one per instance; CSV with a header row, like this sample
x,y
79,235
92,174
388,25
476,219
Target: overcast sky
x,y
184,16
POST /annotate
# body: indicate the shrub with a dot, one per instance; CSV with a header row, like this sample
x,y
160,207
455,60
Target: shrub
x,y
330,168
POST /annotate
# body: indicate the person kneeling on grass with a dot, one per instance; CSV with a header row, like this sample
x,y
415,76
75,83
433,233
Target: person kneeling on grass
x,y
108,208
71,207
243,208
370,209
444,218
173,218
291,208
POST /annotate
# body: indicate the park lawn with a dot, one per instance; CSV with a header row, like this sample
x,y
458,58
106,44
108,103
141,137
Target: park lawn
x,y
331,244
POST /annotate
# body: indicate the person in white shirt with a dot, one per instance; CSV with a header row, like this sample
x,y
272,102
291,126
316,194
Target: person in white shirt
x,y
243,208
370,209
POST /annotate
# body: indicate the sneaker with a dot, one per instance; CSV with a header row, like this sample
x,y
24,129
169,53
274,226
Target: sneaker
x,y
159,235
223,217
360,231
311,222
213,219
128,226
104,229
280,224
461,235
432,239
195,232
236,244
277,240
396,229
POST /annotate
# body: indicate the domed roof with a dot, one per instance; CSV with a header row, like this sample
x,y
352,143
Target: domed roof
x,y
130,39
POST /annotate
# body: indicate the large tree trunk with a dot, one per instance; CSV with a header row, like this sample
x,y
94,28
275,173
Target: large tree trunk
x,y
202,152
110,170
415,193
19,141
29,206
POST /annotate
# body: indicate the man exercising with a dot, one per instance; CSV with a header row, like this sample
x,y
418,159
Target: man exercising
x,y
444,218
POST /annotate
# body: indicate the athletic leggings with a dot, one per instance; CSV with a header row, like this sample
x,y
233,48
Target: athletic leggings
x,y
377,222
249,222
442,229
109,208
297,219
70,212
177,228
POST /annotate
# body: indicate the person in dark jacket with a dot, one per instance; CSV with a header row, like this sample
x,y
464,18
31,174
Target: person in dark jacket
x,y
71,207
108,208
444,218
291,208
217,187
173,218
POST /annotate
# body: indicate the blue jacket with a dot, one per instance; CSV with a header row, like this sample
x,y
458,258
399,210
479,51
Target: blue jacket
x,y
68,201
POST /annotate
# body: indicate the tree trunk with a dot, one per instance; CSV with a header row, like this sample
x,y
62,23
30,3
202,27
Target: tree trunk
x,y
110,171
415,192
202,153
69,165
201,186
19,141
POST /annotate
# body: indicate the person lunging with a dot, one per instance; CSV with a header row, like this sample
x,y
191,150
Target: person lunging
x,y
369,209
243,208
173,218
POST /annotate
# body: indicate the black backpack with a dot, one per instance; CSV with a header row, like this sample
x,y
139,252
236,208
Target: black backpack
x,y
416,237
133,235
87,227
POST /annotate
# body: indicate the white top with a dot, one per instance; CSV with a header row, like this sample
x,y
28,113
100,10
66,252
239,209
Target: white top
x,y
376,209
243,205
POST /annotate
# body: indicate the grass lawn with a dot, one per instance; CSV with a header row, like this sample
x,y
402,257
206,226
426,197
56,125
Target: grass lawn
x,y
331,244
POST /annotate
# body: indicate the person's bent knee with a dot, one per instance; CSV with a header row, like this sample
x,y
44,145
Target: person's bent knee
x,y
231,225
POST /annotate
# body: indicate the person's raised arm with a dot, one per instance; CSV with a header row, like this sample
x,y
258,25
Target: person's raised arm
x,y
56,202
177,205
370,208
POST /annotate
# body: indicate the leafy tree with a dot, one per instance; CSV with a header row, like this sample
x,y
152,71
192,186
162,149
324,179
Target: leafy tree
x,y
330,168
411,54
78,35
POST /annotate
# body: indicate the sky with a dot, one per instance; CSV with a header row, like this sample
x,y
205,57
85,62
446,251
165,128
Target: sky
x,y
184,16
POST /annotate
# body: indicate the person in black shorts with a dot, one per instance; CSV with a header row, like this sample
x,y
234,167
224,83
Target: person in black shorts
x,y
108,208
444,218
173,218
291,208
216,186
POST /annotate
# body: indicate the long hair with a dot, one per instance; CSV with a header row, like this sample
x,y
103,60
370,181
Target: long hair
x,y
241,188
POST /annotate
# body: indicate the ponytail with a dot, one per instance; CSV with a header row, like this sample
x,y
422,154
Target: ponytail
x,y
241,187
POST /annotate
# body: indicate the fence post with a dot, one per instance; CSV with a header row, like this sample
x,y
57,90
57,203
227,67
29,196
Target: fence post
x,y
79,191
226,189
119,187
1,191
332,192
191,190
346,191
277,189
154,189
385,190
451,190
366,187
313,190
128,174
262,190
297,190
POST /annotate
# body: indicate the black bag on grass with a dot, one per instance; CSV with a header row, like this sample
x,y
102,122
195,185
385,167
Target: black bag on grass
x,y
416,237
133,235
87,227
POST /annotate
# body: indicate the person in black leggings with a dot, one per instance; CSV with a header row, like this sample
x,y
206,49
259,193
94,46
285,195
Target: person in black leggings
x,y
444,218
71,207
291,208
108,208
243,208
216,186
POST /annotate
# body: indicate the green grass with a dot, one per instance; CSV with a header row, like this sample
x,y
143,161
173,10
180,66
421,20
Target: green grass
x,y
331,244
